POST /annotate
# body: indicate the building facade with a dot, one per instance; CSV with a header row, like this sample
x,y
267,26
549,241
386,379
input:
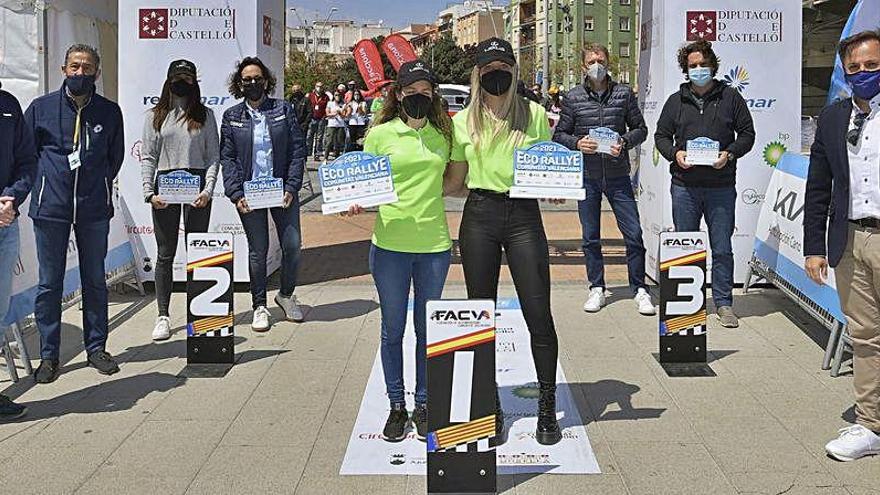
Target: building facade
x,y
476,26
564,26
332,37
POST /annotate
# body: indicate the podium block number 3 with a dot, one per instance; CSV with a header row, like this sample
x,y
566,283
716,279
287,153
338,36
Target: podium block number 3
x,y
690,281
205,304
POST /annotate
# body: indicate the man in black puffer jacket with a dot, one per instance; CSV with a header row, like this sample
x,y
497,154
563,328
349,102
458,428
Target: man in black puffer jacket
x,y
603,103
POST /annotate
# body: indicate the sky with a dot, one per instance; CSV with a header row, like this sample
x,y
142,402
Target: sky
x,y
394,13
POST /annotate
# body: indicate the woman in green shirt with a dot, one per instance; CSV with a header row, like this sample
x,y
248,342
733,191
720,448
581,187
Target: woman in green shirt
x,y
486,133
411,243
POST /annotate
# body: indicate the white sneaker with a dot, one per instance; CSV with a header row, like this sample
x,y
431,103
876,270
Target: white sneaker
x,y
595,301
854,441
162,330
261,319
643,300
290,306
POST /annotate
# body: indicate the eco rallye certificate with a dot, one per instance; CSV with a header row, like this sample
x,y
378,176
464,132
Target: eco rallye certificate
x,y
356,178
606,139
267,192
702,151
548,170
179,187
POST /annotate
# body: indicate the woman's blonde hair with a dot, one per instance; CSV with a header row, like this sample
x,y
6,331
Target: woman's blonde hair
x,y
513,118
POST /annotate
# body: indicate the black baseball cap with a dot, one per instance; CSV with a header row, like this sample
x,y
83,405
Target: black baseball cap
x,y
493,49
413,71
182,67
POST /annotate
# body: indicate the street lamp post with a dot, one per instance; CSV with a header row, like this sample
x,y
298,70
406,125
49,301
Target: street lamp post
x,y
306,30
329,15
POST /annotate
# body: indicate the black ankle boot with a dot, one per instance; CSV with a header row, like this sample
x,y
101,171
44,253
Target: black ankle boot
x,y
548,432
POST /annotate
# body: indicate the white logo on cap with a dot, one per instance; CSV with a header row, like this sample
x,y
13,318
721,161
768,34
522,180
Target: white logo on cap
x,y
418,67
494,46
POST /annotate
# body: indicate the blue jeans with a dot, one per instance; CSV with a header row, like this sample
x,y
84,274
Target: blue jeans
x,y
619,192
53,241
9,246
393,273
718,206
256,228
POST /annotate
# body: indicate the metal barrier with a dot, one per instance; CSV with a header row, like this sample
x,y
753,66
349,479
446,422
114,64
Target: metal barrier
x,y
838,340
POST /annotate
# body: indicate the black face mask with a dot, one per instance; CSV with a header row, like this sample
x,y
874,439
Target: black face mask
x,y
80,85
181,88
254,92
417,106
496,82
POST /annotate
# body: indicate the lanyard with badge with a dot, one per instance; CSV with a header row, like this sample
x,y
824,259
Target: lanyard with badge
x,y
73,159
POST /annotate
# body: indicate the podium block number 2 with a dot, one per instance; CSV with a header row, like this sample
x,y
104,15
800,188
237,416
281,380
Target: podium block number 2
x,y
205,304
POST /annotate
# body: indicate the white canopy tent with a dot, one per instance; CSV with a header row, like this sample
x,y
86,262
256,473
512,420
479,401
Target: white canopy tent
x,y
35,34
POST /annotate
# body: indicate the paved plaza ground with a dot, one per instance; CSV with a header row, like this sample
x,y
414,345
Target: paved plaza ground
x,y
279,422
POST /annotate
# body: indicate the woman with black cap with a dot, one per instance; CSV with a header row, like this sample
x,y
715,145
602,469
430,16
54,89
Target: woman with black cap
x,y
486,133
411,243
180,134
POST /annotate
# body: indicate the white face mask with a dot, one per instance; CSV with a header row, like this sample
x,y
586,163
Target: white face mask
x,y
596,72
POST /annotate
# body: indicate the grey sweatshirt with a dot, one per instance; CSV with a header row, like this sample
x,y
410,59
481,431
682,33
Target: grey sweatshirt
x,y
174,147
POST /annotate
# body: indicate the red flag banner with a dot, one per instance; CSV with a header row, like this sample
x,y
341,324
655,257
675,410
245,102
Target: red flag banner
x,y
398,50
369,64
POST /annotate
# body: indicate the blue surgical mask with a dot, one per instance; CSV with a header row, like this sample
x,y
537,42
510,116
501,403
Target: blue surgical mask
x,y
700,76
865,84
80,84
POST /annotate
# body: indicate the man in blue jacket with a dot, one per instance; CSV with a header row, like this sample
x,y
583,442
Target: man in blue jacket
x,y
80,148
842,229
18,160
601,102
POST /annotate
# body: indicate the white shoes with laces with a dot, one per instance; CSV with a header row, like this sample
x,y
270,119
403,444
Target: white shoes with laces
x,y
643,301
595,300
261,320
162,330
854,442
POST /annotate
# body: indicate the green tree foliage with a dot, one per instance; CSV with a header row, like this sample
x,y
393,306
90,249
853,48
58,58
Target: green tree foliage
x,y
452,64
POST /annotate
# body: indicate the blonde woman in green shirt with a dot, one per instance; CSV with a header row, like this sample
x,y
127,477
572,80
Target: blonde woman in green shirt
x,y
411,243
486,133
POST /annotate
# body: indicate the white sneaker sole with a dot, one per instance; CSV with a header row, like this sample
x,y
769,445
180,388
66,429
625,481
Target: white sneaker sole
x,y
160,338
648,313
844,458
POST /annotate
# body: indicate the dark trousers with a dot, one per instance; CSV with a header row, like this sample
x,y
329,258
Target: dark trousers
x,y
53,241
355,132
619,192
334,141
315,136
166,225
718,207
256,228
492,222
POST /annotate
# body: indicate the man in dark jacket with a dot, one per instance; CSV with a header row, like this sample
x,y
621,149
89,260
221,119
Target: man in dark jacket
x,y
301,107
843,202
80,148
706,108
601,102
18,161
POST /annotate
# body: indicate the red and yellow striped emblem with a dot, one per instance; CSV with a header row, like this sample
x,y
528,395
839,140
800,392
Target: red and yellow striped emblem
x,y
687,259
456,343
206,325
677,324
466,432
212,261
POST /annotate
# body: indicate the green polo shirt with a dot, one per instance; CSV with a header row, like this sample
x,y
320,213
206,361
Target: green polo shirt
x,y
492,167
416,223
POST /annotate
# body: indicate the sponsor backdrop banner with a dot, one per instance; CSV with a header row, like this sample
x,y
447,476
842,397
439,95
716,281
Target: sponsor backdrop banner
x,y
755,40
369,454
780,236
214,34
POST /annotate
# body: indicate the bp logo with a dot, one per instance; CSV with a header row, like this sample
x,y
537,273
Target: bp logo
x,y
656,156
773,153
530,391
737,78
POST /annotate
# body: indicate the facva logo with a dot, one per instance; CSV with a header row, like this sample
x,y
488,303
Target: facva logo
x,y
702,25
462,315
737,78
773,153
